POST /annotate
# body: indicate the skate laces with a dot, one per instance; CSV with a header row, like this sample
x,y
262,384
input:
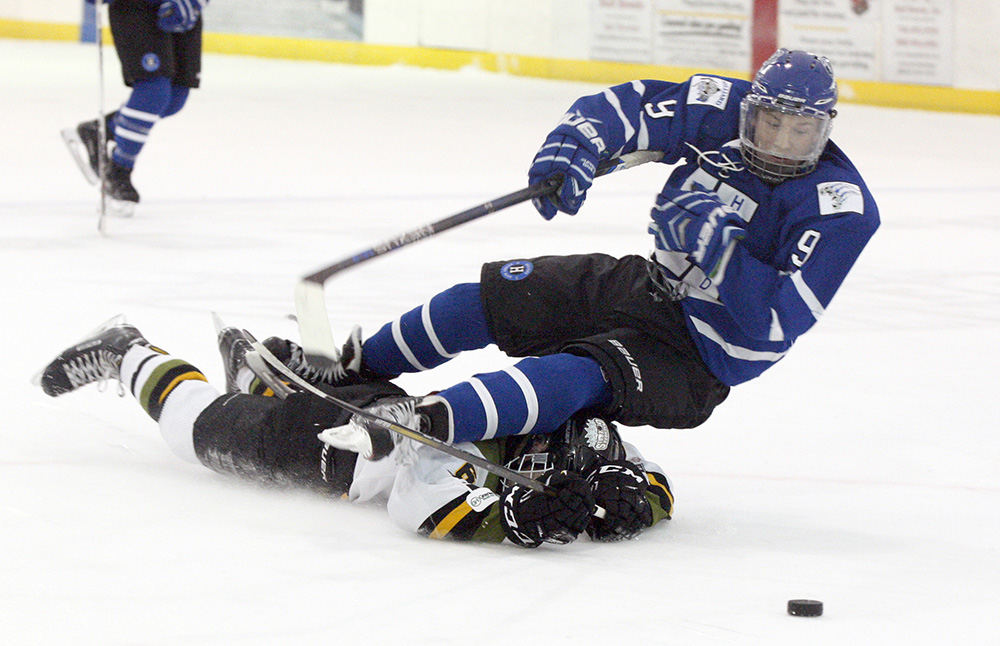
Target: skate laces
x,y
302,367
96,366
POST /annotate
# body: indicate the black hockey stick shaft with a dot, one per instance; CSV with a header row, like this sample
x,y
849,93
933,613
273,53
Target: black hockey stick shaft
x,y
503,472
497,204
310,300
102,162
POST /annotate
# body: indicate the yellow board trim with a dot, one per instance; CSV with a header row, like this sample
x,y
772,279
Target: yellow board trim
x,y
894,95
38,30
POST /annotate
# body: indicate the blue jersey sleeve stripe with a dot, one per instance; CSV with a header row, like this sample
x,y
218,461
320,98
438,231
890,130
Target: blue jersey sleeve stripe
x,y
612,99
735,351
777,333
808,297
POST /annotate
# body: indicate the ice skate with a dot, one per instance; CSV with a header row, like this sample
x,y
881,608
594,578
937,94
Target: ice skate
x,y
429,415
241,364
122,197
233,346
97,358
345,371
84,147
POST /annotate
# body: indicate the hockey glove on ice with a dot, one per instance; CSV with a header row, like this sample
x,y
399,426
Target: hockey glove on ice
x,y
569,157
697,224
531,517
178,16
620,488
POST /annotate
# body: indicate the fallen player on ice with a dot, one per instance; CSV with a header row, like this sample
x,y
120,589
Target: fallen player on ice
x,y
297,439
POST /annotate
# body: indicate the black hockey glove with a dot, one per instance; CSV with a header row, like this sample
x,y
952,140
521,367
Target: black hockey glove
x,y
530,517
620,488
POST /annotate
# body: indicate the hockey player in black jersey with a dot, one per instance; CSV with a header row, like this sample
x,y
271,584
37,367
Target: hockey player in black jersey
x,y
253,434
159,45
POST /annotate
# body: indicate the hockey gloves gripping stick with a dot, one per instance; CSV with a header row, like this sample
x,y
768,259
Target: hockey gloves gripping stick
x,y
697,224
530,518
310,301
620,488
570,163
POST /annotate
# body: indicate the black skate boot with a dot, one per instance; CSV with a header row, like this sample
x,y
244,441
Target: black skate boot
x,y
97,358
119,190
83,145
345,372
233,345
245,371
429,415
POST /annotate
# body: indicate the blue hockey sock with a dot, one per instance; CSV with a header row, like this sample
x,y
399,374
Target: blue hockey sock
x,y
178,97
149,99
536,395
429,335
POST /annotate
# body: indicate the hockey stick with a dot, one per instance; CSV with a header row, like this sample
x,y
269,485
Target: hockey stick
x,y
310,302
417,436
101,125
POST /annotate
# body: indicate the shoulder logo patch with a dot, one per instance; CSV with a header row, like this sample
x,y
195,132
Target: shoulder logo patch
x,y
840,197
709,90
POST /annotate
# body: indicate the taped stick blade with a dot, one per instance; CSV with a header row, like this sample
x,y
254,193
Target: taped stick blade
x,y
315,333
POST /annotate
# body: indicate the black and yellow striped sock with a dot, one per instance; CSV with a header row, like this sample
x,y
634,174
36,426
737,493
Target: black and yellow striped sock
x,y
151,375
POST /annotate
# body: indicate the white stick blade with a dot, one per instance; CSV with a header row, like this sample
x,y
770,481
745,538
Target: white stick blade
x,y
314,324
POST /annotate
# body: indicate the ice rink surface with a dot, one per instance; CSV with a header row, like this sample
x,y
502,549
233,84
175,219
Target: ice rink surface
x,y
863,470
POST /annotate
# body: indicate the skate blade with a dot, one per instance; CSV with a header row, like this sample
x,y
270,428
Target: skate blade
x,y
263,372
79,153
118,208
117,319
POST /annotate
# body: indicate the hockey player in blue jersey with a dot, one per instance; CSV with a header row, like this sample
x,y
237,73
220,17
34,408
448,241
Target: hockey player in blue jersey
x,y
159,45
755,229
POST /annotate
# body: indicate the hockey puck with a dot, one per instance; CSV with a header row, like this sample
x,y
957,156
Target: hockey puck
x,y
805,607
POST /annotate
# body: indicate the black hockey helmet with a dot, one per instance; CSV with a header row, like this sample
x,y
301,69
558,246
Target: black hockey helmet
x,y
580,443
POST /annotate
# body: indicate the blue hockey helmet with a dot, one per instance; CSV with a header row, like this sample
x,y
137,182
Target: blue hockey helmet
x,y
785,120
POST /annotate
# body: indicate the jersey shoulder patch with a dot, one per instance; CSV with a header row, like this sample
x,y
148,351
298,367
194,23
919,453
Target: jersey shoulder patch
x,y
709,90
840,197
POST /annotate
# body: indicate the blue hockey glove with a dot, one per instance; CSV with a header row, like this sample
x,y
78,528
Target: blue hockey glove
x,y
620,488
178,16
569,157
697,224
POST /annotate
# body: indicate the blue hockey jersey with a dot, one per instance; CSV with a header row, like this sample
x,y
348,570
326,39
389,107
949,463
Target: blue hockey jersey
x,y
803,235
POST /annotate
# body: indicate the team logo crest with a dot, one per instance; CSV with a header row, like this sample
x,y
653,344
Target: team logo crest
x,y
517,269
597,433
150,62
709,90
840,197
